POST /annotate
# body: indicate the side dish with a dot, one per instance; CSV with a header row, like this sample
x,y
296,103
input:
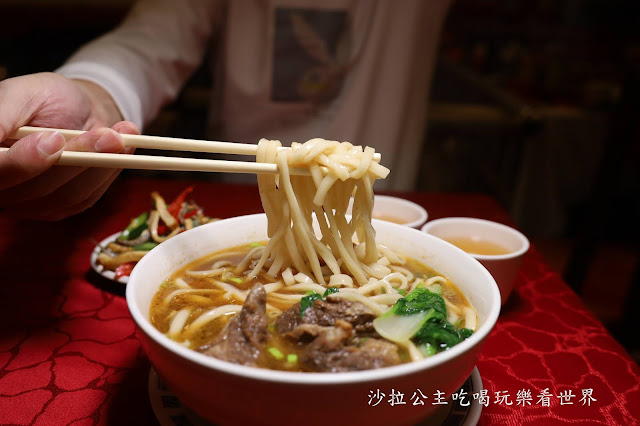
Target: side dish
x,y
149,229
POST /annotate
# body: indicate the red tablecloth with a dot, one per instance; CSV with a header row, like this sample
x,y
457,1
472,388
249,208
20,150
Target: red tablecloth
x,y
69,354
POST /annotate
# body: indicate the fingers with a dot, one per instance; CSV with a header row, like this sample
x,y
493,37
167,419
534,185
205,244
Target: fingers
x,y
99,140
74,197
126,128
31,157
63,191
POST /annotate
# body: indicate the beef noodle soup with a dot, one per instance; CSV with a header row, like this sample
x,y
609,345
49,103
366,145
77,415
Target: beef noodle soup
x,y
302,302
290,324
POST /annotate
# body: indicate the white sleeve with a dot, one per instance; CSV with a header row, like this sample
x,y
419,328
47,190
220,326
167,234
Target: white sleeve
x,y
145,61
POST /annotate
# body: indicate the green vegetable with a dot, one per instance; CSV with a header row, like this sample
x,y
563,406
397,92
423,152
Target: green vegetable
x,y
145,246
307,302
276,353
399,328
236,280
442,335
402,291
166,284
436,288
135,228
427,350
254,245
330,290
421,316
420,300
292,358
312,296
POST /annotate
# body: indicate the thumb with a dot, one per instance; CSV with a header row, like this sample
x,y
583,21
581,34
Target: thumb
x,y
29,157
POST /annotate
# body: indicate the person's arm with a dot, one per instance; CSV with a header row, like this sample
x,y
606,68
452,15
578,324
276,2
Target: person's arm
x,y
127,74
144,62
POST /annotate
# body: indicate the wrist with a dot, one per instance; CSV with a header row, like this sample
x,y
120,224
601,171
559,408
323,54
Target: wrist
x,y
103,108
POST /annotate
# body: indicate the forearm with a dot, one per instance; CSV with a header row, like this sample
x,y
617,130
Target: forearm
x,y
145,61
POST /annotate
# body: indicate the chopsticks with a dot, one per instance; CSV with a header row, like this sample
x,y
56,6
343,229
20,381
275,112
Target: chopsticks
x,y
152,162
156,142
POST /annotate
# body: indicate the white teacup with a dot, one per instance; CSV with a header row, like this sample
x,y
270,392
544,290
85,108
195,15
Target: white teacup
x,y
498,247
397,210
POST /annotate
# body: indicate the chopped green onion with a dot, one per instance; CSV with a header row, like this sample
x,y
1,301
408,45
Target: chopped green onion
x,y
275,352
292,358
254,245
236,280
166,284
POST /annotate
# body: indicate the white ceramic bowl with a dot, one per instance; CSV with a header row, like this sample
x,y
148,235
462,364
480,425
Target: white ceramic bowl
x,y
398,210
504,267
227,393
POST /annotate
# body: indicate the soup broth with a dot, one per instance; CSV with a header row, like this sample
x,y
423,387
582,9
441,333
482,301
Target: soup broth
x,y
390,218
210,283
477,246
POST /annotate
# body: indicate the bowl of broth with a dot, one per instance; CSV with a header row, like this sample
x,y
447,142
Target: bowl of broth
x,y
498,247
228,393
398,210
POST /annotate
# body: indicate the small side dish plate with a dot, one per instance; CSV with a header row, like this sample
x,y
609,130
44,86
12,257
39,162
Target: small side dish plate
x,y
110,275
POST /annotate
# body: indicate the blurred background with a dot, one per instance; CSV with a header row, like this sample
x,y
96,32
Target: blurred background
x,y
535,103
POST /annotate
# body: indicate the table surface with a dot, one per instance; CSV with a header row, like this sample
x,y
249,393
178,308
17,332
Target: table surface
x,y
69,352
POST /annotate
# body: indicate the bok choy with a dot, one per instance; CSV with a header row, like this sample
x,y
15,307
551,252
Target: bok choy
x,y
421,317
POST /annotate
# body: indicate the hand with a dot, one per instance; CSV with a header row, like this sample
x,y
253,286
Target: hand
x,y
29,186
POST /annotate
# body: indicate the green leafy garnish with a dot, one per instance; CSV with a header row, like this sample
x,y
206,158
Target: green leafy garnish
x,y
402,291
307,301
441,335
311,296
421,300
330,290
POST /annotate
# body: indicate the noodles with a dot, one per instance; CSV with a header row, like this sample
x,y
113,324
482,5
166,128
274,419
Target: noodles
x,y
293,203
314,250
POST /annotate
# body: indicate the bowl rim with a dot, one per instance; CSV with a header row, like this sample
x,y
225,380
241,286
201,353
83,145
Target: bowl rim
x,y
305,378
483,222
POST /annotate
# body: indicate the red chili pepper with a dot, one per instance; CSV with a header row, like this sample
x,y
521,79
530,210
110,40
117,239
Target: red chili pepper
x,y
176,205
162,229
125,269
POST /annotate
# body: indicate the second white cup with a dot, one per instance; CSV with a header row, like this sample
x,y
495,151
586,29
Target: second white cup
x,y
498,247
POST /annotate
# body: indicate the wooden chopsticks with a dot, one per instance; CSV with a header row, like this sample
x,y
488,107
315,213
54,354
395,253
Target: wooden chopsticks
x,y
152,162
156,142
